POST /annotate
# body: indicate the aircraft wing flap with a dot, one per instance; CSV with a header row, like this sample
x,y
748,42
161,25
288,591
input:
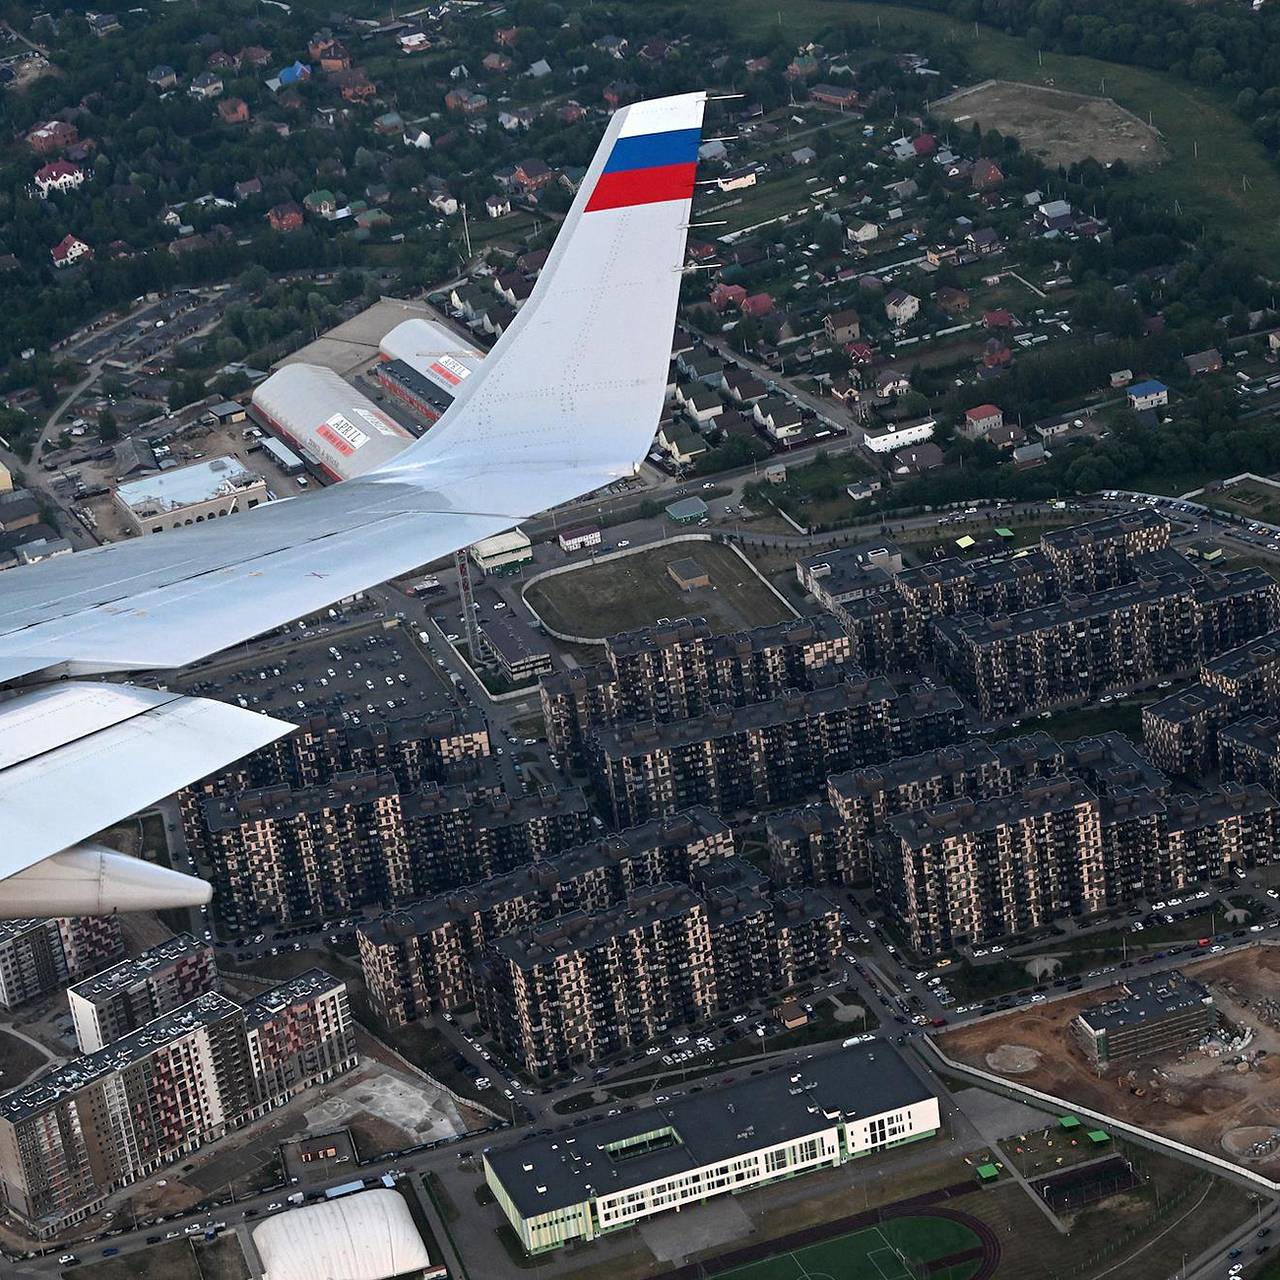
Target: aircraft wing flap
x,y
102,752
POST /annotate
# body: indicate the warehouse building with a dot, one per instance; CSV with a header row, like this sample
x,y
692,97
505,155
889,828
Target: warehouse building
x,y
189,495
343,432
434,350
1163,1011
583,1183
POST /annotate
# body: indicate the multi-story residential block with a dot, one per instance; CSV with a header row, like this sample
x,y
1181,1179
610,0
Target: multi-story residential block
x,y
1168,620
681,670
1163,1011
38,956
885,632
1004,584
83,1131
614,1173
766,753
424,956
284,854
586,985
1183,732
1101,554
127,995
971,871
1249,751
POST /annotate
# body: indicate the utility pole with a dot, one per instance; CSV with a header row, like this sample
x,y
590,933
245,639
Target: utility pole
x,y
466,232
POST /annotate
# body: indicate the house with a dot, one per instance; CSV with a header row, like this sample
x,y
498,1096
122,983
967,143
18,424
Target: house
x,y
984,241
1149,394
233,111
413,41
1007,436
953,301
162,77
388,124
1203,362
51,137
901,307
742,386
888,383
701,405
464,101
981,420
1029,455
355,85
614,46
571,112
986,175
253,55
804,66
778,416
444,202
757,66
334,58
208,84
221,60
618,93
860,490
802,156
681,443
757,305
726,296
416,137
861,232
942,255
59,176
496,62
1000,318
736,179
656,50
322,203
506,36
102,24
70,250
533,174
497,206
539,70
996,354
1054,213
285,217
248,189
916,459
859,353
835,95
841,326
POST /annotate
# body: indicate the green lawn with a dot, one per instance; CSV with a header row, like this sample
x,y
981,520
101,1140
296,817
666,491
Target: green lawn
x,y
893,1250
1208,186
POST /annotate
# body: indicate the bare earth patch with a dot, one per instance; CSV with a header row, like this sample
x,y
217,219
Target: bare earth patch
x,y
1013,1059
1061,127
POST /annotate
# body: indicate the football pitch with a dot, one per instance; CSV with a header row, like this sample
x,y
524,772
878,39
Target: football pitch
x,y
899,1249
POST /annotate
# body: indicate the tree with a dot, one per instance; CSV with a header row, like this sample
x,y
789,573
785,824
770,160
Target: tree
x,y
108,430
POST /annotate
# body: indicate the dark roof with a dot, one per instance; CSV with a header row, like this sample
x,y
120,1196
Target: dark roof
x,y
570,1166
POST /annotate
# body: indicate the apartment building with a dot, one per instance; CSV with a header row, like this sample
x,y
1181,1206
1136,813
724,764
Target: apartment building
x,y
1166,621
987,587
1183,731
40,955
1249,751
885,632
681,670
130,994
83,1131
971,871
284,854
1102,553
425,955
586,985
795,1117
1163,1011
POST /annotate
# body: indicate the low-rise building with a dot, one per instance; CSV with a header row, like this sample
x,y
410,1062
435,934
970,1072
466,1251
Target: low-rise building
x,y
1159,1012
194,494
503,553
579,1184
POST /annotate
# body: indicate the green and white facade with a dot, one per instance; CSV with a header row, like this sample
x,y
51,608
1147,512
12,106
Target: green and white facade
x,y
576,1184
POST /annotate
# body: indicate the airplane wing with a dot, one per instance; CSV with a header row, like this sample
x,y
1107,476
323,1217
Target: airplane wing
x,y
568,400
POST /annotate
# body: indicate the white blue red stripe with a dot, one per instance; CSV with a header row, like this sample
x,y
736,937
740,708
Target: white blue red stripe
x,y
647,168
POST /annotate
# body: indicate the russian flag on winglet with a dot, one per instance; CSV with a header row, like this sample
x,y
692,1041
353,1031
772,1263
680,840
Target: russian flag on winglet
x,y
646,168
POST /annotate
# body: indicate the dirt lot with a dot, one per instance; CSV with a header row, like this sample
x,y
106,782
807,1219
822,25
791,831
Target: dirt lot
x,y
619,595
1060,127
1204,1101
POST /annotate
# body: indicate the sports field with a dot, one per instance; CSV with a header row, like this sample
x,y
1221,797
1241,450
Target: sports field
x,y
899,1249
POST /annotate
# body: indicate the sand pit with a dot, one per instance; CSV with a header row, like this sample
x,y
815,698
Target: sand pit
x,y
1013,1059
1236,1142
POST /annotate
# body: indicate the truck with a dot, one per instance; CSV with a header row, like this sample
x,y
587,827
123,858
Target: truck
x,y
296,1198
344,1189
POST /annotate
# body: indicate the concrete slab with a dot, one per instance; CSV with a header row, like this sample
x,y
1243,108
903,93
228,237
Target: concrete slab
x,y
995,1117
672,1237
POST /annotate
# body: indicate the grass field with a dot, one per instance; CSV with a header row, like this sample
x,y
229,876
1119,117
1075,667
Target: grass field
x,y
601,600
893,1250
1209,186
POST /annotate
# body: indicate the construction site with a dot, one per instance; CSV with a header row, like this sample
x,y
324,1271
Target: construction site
x,y
1220,1093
